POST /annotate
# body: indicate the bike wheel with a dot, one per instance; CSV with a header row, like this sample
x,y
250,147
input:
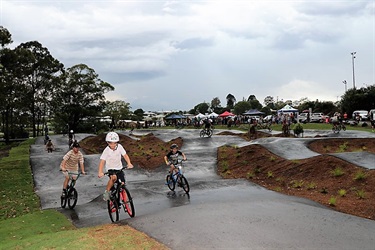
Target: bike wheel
x,y
202,133
64,200
72,198
127,202
170,182
184,184
113,210
209,133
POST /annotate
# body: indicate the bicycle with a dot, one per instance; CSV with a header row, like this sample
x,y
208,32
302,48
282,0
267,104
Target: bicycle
x,y
205,132
264,126
178,178
119,196
70,194
338,127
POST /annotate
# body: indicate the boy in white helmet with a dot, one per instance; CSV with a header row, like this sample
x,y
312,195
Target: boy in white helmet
x,y
111,158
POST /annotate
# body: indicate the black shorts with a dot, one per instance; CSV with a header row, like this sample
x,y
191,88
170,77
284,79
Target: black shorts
x,y
119,173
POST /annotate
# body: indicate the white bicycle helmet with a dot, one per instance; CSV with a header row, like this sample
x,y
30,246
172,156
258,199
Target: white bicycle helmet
x,y
112,137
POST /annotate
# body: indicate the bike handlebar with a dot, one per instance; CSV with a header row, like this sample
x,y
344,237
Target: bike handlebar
x,y
122,169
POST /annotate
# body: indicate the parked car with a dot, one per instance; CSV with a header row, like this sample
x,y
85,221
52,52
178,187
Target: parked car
x,y
362,114
317,117
302,118
371,115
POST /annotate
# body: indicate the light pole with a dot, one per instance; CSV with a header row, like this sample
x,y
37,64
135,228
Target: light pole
x,y
353,56
344,82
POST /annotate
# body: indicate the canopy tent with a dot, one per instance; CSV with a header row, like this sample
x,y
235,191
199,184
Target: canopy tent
x,y
253,112
287,109
200,116
213,115
175,116
226,113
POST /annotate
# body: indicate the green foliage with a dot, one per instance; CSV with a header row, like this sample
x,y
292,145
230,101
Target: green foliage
x,y
360,175
343,147
224,166
358,99
332,201
269,174
361,194
297,184
298,129
272,158
310,186
241,107
17,195
337,172
342,192
250,175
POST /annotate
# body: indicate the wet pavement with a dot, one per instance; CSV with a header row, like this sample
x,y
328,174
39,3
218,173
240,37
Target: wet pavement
x,y
218,214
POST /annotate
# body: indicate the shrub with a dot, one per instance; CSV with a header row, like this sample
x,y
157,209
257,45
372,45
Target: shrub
x,y
337,172
360,175
311,185
269,174
332,201
361,194
250,175
342,192
297,184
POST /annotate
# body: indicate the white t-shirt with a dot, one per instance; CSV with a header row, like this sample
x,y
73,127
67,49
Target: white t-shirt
x,y
113,157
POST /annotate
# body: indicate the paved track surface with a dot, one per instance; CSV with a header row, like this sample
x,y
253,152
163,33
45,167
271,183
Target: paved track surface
x,y
218,214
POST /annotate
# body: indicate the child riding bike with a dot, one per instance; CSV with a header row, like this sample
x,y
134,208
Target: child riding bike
x,y
70,163
111,158
171,159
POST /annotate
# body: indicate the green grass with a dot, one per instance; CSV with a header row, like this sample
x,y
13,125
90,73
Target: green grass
x,y
23,225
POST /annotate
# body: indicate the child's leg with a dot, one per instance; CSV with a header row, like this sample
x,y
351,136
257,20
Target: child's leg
x,y
111,181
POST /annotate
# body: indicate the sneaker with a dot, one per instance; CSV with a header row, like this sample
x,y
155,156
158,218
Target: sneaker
x,y
106,195
63,194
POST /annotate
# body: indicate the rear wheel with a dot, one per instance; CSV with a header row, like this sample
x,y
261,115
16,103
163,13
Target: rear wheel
x,y
127,202
72,198
202,133
184,184
171,184
113,210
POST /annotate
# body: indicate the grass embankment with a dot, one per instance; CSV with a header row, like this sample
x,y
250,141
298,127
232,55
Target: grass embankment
x,y
23,225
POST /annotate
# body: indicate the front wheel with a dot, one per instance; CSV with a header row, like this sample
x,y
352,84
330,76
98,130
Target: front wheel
x,y
209,132
127,202
184,184
72,198
113,210
171,184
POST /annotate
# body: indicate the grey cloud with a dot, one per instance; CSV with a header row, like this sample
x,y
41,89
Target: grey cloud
x,y
338,8
114,78
193,43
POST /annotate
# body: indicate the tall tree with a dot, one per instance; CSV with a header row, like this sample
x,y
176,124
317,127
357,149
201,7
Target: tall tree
x,y
215,103
231,101
117,110
241,107
41,72
80,96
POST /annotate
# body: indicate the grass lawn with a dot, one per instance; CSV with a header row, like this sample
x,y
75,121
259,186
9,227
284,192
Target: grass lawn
x,y
23,225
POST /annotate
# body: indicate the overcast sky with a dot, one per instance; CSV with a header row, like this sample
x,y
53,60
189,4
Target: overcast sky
x,y
173,55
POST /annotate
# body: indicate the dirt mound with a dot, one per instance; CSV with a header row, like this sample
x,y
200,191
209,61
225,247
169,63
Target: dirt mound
x,y
325,179
146,151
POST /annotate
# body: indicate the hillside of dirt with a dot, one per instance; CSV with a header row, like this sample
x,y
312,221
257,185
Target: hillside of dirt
x,y
328,180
